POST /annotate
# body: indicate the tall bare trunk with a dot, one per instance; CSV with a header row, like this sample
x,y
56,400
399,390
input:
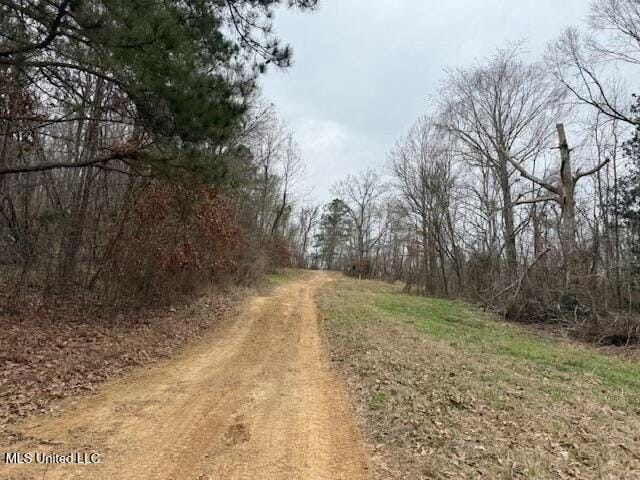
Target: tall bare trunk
x,y
568,230
73,239
507,216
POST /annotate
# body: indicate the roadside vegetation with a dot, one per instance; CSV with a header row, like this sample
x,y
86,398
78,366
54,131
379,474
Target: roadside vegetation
x,y
445,390
517,187
139,162
144,182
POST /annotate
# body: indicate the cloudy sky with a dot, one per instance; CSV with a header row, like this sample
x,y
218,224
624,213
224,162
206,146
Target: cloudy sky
x,y
365,69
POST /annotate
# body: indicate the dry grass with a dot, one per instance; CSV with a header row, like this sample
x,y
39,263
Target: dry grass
x,y
444,391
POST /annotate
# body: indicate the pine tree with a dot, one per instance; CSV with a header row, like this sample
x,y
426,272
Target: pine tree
x,y
333,232
628,207
186,69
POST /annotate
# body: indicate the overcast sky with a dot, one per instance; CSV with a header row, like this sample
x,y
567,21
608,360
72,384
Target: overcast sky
x,y
365,69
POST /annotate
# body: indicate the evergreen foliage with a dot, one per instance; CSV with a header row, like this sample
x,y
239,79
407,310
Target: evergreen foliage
x,y
629,193
333,231
186,69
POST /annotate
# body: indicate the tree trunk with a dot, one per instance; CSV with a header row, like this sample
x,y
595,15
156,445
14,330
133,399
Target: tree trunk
x,y
426,273
72,243
507,216
568,230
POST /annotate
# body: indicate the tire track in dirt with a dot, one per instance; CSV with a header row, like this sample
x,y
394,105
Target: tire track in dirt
x,y
256,400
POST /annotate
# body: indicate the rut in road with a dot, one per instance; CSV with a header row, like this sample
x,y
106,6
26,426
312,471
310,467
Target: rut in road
x,y
256,400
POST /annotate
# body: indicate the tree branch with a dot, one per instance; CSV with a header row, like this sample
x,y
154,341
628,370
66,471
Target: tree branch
x,y
117,155
53,33
533,178
595,169
54,64
548,198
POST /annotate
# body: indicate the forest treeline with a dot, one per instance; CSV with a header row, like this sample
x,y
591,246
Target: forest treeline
x,y
137,158
518,189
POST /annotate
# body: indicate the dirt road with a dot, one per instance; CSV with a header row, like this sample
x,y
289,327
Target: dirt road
x,y
256,400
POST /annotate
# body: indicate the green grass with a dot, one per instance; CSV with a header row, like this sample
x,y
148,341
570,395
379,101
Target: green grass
x,y
277,279
377,400
282,276
450,391
472,331
463,325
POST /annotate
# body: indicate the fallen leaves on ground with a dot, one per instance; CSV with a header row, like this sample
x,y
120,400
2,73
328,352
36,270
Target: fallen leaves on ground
x,y
70,346
432,410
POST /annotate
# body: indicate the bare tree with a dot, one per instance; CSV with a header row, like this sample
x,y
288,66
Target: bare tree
x,y
501,111
291,170
579,66
582,61
309,218
269,143
619,21
361,194
563,194
421,166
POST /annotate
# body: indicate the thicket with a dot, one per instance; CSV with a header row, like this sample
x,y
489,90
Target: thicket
x,y
133,147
